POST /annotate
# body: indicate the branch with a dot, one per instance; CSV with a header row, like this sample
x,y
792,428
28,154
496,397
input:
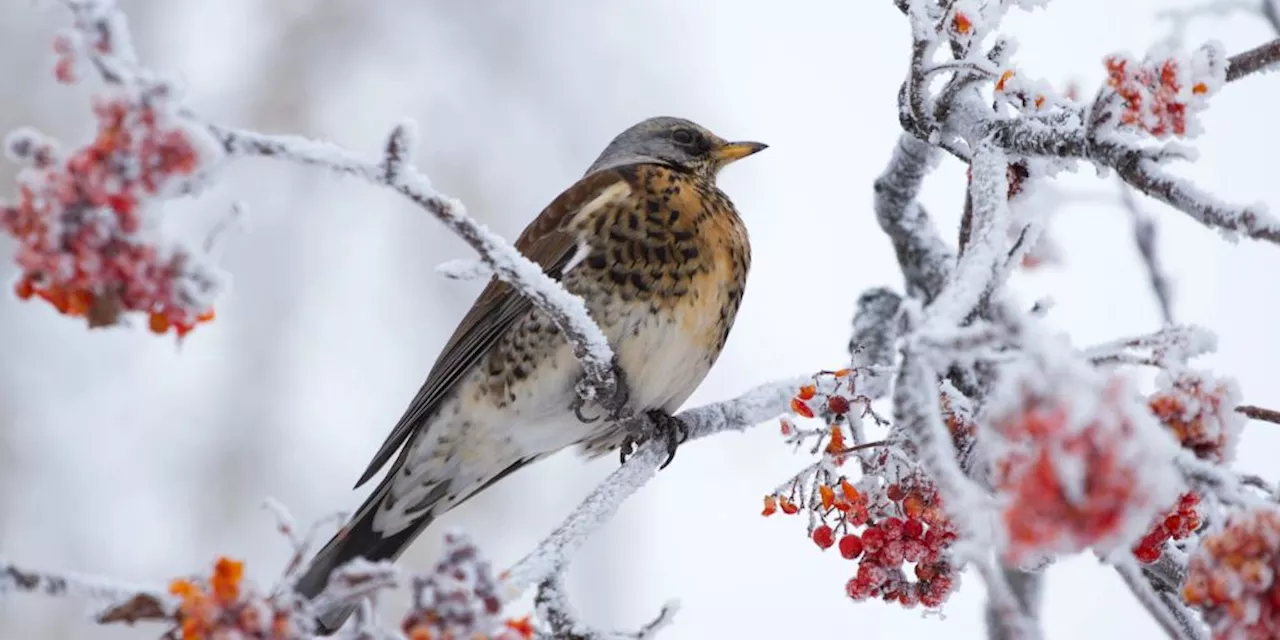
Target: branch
x,y
122,603
1144,236
1260,58
553,554
1260,413
552,604
1028,589
924,257
1172,616
568,311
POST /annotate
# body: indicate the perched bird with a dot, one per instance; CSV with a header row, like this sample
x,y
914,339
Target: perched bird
x,y
660,257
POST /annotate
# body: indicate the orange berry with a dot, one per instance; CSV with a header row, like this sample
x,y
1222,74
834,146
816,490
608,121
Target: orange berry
x,y
206,316
807,392
770,506
521,626
850,493
79,301
828,496
24,288
961,23
800,408
1199,89
788,507
1004,77
840,373
158,322
836,445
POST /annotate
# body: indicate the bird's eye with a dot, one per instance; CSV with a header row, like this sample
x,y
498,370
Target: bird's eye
x,y
682,136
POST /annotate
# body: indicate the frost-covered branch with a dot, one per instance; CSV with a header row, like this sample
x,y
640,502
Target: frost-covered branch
x,y
924,257
394,171
552,604
1144,236
554,553
119,602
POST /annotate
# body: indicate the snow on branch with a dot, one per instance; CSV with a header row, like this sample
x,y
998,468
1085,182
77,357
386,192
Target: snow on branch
x,y
393,171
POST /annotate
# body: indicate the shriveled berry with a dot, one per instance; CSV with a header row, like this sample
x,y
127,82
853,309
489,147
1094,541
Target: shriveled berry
x,y
894,492
806,392
823,536
838,405
850,546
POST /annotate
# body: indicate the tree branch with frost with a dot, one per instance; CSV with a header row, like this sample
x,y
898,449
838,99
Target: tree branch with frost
x,y
395,172
554,553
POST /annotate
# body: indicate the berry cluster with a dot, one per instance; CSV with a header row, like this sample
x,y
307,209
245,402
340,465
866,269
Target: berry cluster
x,y
459,599
220,608
1231,577
1200,411
891,522
81,221
1178,525
1161,92
1077,474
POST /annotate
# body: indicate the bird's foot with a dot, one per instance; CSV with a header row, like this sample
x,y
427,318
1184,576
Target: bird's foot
x,y
663,425
614,404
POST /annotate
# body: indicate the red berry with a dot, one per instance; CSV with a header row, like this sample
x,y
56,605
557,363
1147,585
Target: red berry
x,y
1147,554
894,492
912,529
1188,501
850,546
823,536
873,539
838,405
892,528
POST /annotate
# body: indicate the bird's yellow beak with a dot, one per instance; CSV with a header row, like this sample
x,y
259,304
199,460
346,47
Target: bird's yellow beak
x,y
734,151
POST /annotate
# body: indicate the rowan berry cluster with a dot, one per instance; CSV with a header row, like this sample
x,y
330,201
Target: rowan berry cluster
x,y
1161,94
87,223
1231,577
891,523
459,599
220,607
1077,472
1200,411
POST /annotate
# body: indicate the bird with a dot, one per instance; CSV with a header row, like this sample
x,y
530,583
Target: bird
x,y
658,254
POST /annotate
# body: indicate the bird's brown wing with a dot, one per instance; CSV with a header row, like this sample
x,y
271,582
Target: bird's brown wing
x,y
546,242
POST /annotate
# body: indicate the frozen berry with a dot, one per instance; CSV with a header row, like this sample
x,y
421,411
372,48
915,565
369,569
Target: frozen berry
x,y
823,536
850,546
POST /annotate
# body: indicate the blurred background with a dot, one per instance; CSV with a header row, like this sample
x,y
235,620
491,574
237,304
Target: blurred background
x,y
125,455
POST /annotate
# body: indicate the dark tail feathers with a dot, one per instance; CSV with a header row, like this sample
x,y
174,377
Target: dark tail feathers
x,y
356,540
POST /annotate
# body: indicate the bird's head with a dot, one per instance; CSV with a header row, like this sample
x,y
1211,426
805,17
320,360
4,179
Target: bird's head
x,y
675,142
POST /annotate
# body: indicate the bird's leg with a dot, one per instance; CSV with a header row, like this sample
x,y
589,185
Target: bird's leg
x,y
665,426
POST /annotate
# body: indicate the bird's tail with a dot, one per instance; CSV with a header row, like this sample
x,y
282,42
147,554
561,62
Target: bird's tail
x,y
357,539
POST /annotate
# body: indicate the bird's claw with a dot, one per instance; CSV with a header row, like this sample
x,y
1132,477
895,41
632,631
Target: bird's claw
x,y
664,425
577,405
614,404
